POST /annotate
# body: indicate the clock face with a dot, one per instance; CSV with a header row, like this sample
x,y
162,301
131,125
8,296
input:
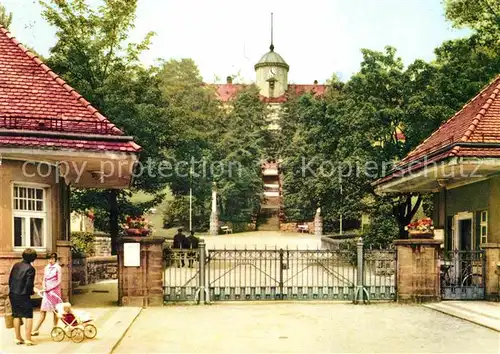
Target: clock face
x,y
272,72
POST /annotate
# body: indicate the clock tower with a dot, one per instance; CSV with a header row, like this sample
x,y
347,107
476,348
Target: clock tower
x,y
272,72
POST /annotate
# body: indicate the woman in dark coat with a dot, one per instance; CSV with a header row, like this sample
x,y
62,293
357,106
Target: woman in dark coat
x,y
21,287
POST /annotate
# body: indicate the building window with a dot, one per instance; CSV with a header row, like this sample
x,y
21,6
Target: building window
x,y
483,227
30,216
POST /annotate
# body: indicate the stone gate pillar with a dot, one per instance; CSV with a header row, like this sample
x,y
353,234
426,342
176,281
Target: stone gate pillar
x,y
318,223
492,276
140,274
417,275
66,262
214,219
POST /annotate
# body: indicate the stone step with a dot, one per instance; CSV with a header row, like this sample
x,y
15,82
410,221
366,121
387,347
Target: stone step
x,y
488,320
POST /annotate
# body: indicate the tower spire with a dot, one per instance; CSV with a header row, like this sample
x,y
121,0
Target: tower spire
x,y
272,45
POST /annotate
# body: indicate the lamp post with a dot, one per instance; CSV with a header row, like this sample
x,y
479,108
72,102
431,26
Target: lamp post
x,y
340,221
191,199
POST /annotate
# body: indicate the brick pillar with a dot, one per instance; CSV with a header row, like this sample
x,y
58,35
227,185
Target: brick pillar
x,y
66,263
492,276
142,285
417,277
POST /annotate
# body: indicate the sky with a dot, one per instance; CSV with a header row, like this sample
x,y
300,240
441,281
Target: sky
x,y
317,38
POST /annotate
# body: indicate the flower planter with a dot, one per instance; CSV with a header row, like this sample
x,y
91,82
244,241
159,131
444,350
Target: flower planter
x,y
421,234
133,232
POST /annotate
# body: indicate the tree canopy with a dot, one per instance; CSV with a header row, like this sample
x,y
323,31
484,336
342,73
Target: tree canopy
x,y
358,126
480,15
5,17
92,54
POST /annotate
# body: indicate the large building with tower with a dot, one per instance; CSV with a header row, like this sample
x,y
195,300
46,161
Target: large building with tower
x,y
271,77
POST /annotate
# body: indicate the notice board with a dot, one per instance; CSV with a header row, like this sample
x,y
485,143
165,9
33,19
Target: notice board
x,y
132,254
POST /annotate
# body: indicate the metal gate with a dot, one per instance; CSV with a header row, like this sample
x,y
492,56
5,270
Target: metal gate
x,y
279,274
462,275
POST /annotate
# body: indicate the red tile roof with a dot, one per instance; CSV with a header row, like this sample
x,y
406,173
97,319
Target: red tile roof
x,y
64,143
316,90
226,92
469,133
35,99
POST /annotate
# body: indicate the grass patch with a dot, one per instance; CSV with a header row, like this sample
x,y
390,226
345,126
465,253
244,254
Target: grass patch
x,y
157,218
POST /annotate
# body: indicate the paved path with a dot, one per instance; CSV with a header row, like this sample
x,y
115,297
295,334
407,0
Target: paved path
x,y
262,239
483,313
111,323
273,327
100,301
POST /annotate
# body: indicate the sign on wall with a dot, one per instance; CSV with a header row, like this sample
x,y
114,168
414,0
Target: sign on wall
x,y
132,254
439,235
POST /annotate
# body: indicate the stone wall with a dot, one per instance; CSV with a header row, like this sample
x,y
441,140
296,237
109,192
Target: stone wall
x,y
79,270
89,270
333,243
102,244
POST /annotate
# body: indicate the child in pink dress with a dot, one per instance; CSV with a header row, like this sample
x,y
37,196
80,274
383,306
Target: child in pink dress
x,y
51,286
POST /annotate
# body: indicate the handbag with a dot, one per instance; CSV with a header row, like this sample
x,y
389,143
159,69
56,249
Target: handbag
x,y
9,320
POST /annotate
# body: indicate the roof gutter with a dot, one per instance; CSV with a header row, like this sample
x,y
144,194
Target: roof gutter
x,y
64,135
437,152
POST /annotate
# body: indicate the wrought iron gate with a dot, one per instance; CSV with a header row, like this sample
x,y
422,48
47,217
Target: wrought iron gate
x,y
280,274
462,275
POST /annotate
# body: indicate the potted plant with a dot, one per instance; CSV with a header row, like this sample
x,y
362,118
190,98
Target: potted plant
x,y
137,226
421,228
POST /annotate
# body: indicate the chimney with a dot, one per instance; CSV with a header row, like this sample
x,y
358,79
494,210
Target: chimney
x,y
229,80
315,82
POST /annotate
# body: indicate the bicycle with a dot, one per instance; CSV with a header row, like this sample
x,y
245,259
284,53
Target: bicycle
x,y
466,278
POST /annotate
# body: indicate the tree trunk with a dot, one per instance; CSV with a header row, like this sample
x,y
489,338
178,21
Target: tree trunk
x,y
404,212
113,220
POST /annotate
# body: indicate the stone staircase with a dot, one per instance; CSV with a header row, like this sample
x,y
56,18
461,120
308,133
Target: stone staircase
x,y
269,218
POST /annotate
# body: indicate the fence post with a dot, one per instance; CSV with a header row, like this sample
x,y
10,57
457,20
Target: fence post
x,y
201,286
360,291
281,272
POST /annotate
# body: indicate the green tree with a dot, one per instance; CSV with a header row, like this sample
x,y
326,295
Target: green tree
x,y
194,113
93,56
241,147
481,15
213,143
5,17
321,163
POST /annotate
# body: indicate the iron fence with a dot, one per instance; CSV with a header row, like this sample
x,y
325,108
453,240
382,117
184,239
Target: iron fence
x,y
379,277
462,275
280,274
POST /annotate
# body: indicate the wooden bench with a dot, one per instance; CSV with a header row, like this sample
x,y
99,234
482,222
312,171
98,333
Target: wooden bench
x,y
303,228
226,229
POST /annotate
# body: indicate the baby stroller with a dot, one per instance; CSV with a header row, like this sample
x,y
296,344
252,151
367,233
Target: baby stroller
x,y
76,325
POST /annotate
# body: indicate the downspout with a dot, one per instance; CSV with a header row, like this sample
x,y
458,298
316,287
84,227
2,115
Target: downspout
x,y
445,217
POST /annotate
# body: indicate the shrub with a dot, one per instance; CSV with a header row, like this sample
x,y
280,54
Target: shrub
x,y
82,243
177,214
383,228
